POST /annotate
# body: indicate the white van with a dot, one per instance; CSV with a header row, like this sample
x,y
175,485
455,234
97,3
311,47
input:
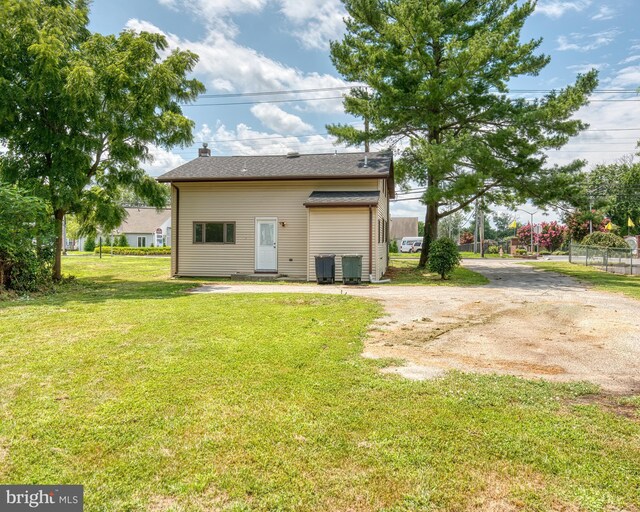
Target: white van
x,y
407,243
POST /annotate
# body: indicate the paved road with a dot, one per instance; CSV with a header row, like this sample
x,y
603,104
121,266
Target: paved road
x,y
525,322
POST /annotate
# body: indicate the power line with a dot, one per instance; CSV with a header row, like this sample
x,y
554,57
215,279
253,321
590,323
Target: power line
x,y
257,102
346,87
273,93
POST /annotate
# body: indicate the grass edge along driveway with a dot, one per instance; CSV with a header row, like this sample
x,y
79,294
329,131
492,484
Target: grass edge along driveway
x,y
158,400
601,280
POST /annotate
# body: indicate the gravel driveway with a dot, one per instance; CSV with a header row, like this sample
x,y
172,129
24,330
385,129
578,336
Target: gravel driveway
x,y
526,322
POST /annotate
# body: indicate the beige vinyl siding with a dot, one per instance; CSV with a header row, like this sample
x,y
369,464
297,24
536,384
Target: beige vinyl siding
x,y
174,210
339,231
382,252
242,203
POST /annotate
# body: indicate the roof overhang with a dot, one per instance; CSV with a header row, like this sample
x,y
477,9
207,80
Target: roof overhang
x,y
379,176
325,199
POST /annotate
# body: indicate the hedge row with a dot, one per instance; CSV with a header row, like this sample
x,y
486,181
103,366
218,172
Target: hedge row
x,y
135,251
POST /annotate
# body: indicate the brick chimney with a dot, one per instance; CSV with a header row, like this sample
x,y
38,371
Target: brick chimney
x,y
204,150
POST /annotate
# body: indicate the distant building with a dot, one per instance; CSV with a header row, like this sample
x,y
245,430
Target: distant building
x,y
146,227
401,227
143,227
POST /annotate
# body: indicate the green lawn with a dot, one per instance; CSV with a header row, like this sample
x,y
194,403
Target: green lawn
x,y
405,272
463,254
628,285
158,400
476,255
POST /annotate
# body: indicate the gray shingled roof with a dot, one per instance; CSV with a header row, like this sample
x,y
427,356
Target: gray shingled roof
x,y
234,168
360,198
144,220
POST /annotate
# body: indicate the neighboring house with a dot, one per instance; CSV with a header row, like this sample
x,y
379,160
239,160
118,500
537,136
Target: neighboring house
x,y
273,214
145,227
401,227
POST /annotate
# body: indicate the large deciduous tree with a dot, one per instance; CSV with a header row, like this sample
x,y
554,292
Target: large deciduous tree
x,y
615,190
437,76
80,112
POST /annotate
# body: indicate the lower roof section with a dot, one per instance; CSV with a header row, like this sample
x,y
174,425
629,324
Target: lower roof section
x,y
343,198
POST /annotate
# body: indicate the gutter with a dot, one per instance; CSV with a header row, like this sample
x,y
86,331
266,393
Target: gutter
x,y
169,179
370,241
177,227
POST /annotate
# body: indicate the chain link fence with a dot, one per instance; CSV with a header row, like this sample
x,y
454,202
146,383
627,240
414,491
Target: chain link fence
x,y
471,247
609,259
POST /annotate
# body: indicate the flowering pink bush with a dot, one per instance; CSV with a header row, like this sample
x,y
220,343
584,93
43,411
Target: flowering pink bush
x,y
578,223
551,237
524,235
466,237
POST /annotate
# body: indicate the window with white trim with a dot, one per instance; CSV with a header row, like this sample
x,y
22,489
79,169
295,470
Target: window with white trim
x,y
214,232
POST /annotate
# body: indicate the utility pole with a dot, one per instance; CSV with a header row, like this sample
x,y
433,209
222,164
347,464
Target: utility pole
x,y
481,213
366,131
475,229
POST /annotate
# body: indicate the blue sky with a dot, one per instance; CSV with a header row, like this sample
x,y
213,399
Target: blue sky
x,y
249,46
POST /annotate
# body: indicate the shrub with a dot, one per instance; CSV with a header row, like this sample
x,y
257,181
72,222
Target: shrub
x,y
578,224
444,257
521,252
466,237
26,241
393,246
90,244
599,239
122,241
493,249
552,235
140,251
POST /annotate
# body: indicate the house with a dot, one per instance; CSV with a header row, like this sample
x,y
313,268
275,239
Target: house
x,y
401,227
146,227
143,227
273,214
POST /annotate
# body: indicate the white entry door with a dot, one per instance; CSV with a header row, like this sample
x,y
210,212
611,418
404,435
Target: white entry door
x,y
266,245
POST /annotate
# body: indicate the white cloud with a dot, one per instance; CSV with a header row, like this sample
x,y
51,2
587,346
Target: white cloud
x,y
604,13
586,42
316,22
585,68
227,66
244,140
216,14
626,77
162,161
628,60
557,8
276,119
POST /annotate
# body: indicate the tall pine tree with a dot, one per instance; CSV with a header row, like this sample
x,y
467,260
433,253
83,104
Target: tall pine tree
x,y
437,76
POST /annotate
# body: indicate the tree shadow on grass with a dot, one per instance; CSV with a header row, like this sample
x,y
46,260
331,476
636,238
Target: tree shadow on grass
x,y
101,289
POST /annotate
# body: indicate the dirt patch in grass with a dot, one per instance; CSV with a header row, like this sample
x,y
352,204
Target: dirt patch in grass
x,y
210,499
614,404
504,492
530,324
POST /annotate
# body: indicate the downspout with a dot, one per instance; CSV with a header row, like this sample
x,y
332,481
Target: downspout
x,y
177,227
370,243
